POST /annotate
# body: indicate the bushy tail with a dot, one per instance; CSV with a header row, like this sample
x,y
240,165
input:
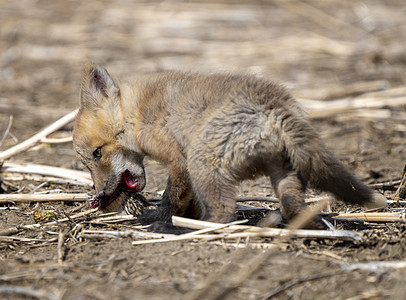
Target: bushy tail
x,y
318,166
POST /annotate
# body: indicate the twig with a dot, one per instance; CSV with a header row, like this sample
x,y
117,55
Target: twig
x,y
57,140
6,133
257,198
74,175
330,108
38,187
376,266
21,239
374,217
36,139
192,235
29,292
43,178
253,245
24,198
396,201
113,219
61,240
311,234
245,208
221,226
388,185
122,234
321,109
268,232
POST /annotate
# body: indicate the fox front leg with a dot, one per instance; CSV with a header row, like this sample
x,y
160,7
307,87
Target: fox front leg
x,y
175,200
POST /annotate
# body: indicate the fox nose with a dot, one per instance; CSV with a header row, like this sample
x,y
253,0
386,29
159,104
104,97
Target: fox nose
x,y
101,194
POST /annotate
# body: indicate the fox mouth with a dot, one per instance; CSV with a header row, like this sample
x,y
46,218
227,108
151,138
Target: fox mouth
x,y
128,182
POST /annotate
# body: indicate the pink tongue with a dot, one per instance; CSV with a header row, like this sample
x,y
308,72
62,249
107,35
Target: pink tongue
x,y
130,181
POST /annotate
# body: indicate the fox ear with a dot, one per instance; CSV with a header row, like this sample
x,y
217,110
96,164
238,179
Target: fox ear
x,y
96,85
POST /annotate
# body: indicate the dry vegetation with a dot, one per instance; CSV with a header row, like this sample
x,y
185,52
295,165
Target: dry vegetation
x,y
344,60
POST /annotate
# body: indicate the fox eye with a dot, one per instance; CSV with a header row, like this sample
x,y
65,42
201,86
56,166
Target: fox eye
x,y
97,153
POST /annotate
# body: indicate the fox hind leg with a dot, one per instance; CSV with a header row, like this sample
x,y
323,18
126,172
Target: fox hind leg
x,y
214,193
289,188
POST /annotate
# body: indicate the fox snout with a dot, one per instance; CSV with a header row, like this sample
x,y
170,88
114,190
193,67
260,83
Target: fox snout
x,y
113,187
126,180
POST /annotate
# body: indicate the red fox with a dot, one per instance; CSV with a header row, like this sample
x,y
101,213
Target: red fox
x,y
211,131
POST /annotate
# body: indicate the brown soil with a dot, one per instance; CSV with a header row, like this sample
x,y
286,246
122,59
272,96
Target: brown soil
x,y
317,48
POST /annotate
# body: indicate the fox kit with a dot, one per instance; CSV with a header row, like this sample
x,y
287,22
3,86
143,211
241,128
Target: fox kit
x,y
211,131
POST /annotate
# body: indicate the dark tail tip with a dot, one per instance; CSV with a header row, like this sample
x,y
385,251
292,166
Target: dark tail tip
x,y
338,180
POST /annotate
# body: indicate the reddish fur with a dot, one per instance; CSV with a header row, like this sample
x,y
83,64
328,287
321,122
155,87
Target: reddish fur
x,y
212,132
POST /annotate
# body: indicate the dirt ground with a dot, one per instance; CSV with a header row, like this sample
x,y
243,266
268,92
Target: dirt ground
x,y
321,50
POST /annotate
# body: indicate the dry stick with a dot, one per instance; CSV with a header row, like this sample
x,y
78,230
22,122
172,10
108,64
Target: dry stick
x,y
268,232
113,219
61,238
321,109
221,226
376,266
75,176
24,198
29,292
253,245
198,224
192,235
67,139
388,185
374,217
396,202
49,179
257,198
122,234
17,238
313,234
389,93
36,139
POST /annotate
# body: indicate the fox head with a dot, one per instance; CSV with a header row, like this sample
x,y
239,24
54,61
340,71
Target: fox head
x,y
103,142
